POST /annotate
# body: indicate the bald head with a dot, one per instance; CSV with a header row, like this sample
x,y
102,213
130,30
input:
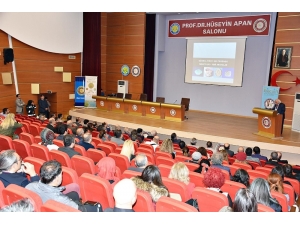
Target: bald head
x,y
69,123
141,160
153,133
87,137
52,121
156,139
80,132
124,194
240,149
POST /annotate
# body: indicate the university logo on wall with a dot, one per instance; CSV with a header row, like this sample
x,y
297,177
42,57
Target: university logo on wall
x,y
266,122
134,107
173,112
152,110
101,103
175,28
260,25
117,105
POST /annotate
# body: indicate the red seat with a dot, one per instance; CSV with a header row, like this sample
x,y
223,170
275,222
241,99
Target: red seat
x,y
233,169
150,158
163,154
95,154
253,164
231,160
165,204
82,164
197,179
121,161
36,162
258,173
142,145
61,157
262,162
40,151
54,206
59,143
27,137
26,126
226,173
112,144
20,130
164,170
1,196
34,129
269,166
295,184
264,169
6,143
264,208
69,176
95,133
225,162
143,202
118,150
22,148
288,189
126,136
164,160
106,148
145,150
14,193
243,166
181,158
97,189
281,199
178,153
232,187
191,166
97,140
81,150
37,139
176,186
208,200
130,173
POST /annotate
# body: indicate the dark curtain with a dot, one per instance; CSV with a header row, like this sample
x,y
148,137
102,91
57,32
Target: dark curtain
x,y
149,56
91,61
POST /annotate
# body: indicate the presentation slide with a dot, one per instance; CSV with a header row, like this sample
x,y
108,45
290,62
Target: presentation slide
x,y
216,61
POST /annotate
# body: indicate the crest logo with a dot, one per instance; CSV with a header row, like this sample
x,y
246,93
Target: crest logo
x,y
152,110
172,112
266,122
117,105
175,28
101,103
260,25
134,107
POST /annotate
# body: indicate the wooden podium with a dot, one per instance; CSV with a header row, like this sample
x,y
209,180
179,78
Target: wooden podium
x,y
172,112
269,123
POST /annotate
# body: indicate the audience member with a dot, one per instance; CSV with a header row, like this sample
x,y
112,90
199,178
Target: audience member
x,y
23,205
107,169
48,111
5,112
47,137
86,142
30,107
69,143
128,150
62,131
140,135
196,156
117,138
204,166
241,176
193,141
279,158
203,153
241,157
51,125
225,155
43,106
167,146
9,125
257,154
19,105
174,138
154,142
240,149
217,160
78,121
288,172
209,146
153,133
141,162
249,156
227,148
85,122
273,159
244,201
59,118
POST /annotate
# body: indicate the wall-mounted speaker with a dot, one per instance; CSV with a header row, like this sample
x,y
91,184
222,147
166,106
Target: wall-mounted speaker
x,y
8,55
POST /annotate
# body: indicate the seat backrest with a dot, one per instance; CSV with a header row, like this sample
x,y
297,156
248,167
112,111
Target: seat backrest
x,y
14,193
37,139
106,148
95,134
83,164
253,164
288,189
22,148
27,137
150,158
164,170
295,184
208,200
258,173
1,196
163,154
231,160
121,161
143,97
54,206
61,157
281,199
69,176
81,150
145,150
243,166
143,202
164,160
59,143
166,204
6,143
34,129
269,166
112,144
178,153
232,187
118,150
130,173
26,126
95,154
40,151
186,103
264,169
97,140
175,186
197,179
181,158
20,130
160,99
36,162
233,169
95,188
191,166
128,96
264,208
226,173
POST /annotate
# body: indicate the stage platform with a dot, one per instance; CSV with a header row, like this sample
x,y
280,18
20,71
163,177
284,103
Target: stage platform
x,y
217,128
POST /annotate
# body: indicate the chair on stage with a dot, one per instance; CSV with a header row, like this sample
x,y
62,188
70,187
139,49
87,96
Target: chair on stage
x,y
120,95
128,96
143,97
160,99
186,103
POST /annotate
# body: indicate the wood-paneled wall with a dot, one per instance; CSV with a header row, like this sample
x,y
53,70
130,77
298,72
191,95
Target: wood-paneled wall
x,y
288,35
122,42
7,92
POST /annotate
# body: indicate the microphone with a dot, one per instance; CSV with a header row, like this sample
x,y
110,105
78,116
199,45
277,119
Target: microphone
x,y
174,102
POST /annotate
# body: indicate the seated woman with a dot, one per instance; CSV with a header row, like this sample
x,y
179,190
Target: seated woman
x,y
241,176
167,146
180,172
47,137
186,152
225,155
214,179
261,190
203,153
288,172
107,169
9,126
244,201
276,184
30,107
204,166
128,150
150,181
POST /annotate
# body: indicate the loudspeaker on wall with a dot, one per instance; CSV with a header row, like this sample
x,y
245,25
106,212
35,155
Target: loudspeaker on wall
x,y
8,55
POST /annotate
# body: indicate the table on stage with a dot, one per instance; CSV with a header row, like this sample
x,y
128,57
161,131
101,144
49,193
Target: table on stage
x,y
173,112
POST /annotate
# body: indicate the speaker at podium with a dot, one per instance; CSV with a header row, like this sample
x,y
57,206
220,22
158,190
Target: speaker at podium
x,y
123,87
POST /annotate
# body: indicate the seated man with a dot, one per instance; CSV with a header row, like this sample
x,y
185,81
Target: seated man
x,y
23,205
48,187
69,143
153,133
141,161
117,138
273,159
279,158
51,125
196,156
62,130
79,134
140,135
13,170
227,148
125,196
193,141
217,161
154,142
257,154
86,143
249,156
174,138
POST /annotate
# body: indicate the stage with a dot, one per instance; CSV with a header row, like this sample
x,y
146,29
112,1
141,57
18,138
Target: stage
x,y
217,128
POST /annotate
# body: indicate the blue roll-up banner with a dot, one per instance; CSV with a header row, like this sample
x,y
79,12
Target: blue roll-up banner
x,y
269,95
79,91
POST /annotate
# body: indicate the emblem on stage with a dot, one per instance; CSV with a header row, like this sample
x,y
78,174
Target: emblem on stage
x,y
172,112
117,105
266,122
269,103
101,103
152,110
134,107
135,70
125,70
175,28
260,25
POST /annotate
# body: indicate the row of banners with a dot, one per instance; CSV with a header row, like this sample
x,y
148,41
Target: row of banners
x,y
85,88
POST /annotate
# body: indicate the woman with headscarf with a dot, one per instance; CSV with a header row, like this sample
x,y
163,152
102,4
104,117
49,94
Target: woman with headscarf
x,y
107,170
30,108
9,126
47,137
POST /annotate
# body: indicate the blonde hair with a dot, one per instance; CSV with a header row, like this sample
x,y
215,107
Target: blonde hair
x,y
9,121
179,171
128,149
167,146
225,155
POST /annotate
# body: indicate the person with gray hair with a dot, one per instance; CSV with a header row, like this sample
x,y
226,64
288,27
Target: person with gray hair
x,y
23,205
261,190
141,161
273,159
86,142
14,171
153,133
217,161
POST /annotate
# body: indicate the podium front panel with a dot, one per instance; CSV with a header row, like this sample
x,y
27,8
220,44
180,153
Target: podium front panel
x,y
101,102
151,109
172,112
116,105
133,107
